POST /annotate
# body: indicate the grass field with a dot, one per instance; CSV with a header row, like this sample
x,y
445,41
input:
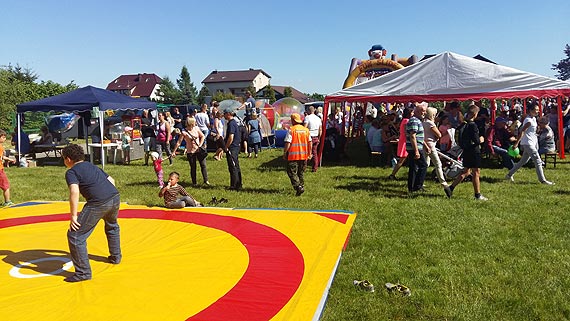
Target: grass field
x,y
505,259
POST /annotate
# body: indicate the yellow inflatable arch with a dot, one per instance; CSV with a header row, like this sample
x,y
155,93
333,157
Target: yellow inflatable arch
x,y
369,65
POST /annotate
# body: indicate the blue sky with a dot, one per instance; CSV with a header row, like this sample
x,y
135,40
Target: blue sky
x,y
304,44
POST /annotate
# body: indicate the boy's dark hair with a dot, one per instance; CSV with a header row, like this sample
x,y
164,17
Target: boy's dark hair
x,y
174,173
73,152
2,132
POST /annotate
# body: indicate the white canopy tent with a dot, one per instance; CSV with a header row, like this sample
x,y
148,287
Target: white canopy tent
x,y
449,76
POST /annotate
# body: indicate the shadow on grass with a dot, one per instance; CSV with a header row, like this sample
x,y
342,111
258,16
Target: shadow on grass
x,y
276,164
387,188
562,192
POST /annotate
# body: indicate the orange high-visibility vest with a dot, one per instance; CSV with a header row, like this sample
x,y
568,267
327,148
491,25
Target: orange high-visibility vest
x,y
299,148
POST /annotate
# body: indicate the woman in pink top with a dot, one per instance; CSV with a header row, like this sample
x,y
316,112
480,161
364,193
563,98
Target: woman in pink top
x,y
401,151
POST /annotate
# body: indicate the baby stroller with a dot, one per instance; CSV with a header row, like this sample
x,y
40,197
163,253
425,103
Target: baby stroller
x,y
451,163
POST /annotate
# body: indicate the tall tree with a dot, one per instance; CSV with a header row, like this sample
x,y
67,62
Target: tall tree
x,y
252,90
269,93
169,93
288,92
204,92
20,73
187,89
563,66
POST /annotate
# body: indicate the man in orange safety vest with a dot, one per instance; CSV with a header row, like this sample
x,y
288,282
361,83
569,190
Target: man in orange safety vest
x,y
298,149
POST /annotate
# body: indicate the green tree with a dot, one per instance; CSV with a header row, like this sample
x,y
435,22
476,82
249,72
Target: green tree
x,y
17,85
204,92
169,93
20,73
269,93
288,92
219,96
252,90
316,96
188,92
563,66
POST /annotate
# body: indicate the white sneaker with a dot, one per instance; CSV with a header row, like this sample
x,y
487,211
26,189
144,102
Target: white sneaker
x,y
481,198
547,183
510,178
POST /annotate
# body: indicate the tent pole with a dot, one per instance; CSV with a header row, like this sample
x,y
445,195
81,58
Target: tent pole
x,y
493,111
324,131
18,118
101,132
86,131
560,129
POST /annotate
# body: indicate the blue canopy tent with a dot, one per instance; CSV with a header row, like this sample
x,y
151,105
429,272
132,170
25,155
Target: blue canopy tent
x,y
88,98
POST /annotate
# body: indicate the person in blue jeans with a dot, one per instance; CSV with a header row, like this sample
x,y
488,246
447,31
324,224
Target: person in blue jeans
x,y
103,200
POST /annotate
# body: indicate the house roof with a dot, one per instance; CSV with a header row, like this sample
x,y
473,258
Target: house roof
x,y
141,84
233,76
296,94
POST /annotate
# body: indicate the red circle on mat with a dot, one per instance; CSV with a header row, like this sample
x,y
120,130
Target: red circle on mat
x,y
269,282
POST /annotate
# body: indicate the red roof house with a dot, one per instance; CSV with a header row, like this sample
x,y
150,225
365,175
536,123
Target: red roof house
x,y
139,85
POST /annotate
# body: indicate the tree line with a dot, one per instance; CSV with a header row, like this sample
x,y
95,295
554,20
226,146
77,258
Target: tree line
x,y
19,85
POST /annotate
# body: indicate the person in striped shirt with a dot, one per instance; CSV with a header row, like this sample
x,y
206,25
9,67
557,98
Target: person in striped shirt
x,y
175,196
416,150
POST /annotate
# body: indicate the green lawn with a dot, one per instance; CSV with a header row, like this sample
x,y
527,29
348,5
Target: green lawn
x,y
505,259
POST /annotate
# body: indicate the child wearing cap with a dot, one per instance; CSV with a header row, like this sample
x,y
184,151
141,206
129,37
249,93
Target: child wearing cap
x,y
172,190
126,145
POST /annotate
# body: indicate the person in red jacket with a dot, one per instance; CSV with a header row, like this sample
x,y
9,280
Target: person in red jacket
x,y
297,151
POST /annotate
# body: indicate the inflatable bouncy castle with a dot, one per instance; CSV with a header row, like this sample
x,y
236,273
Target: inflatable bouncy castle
x,y
377,65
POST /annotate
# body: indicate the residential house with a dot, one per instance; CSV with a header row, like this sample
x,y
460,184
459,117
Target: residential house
x,y
236,82
138,86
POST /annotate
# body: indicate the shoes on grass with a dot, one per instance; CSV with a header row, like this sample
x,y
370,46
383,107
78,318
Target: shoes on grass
x,y
481,198
398,288
300,190
216,201
547,183
363,285
448,191
509,178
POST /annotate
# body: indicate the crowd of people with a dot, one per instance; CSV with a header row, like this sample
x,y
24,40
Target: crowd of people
x,y
170,134
425,133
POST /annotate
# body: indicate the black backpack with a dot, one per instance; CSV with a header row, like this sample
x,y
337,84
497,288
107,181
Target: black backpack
x,y
460,137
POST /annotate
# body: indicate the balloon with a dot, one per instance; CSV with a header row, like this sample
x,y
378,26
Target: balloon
x,y
513,152
286,106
